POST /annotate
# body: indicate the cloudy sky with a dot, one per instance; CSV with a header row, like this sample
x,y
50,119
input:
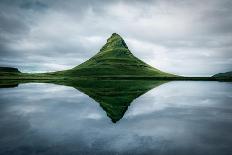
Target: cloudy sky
x,y
185,37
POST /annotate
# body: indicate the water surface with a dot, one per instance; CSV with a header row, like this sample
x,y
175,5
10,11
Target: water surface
x,y
172,118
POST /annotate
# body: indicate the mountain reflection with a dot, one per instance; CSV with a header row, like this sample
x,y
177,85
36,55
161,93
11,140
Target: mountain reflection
x,y
114,96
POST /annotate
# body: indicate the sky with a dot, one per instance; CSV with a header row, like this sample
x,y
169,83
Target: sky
x,y
184,37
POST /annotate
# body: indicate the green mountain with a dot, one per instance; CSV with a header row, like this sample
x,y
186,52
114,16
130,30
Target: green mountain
x,y
9,70
114,60
223,76
226,74
6,72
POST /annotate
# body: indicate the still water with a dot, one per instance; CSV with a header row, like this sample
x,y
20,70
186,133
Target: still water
x,y
179,117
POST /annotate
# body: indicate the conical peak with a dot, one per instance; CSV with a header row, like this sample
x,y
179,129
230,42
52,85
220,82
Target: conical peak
x,y
115,35
115,41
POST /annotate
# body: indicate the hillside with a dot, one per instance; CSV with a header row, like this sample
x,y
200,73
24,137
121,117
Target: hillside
x,y
114,60
9,70
223,76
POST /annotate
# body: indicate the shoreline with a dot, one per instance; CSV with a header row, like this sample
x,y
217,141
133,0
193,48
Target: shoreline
x,y
118,78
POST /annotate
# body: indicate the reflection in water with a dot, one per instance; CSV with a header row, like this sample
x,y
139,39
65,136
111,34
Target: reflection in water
x,y
180,118
114,96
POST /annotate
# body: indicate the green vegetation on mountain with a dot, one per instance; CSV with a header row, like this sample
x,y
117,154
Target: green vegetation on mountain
x,y
115,60
223,76
9,70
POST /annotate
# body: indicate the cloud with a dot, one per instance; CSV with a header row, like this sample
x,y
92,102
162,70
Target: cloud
x,y
181,37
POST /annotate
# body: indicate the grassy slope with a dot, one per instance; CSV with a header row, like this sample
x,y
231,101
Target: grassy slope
x,y
114,59
227,76
9,70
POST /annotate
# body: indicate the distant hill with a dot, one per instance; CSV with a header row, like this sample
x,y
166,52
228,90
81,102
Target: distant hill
x,y
6,72
9,69
223,76
115,60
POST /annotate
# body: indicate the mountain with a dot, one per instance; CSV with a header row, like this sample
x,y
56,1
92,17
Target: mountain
x,y
223,76
9,70
6,72
115,60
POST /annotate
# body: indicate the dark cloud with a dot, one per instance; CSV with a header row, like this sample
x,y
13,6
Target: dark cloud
x,y
163,33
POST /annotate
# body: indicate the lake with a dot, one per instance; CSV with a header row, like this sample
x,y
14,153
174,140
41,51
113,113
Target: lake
x,y
116,117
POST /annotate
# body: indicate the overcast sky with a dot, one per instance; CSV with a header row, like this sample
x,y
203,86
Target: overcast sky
x,y
185,37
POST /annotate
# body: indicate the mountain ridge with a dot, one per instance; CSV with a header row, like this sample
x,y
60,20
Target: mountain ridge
x,y
115,59
226,76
